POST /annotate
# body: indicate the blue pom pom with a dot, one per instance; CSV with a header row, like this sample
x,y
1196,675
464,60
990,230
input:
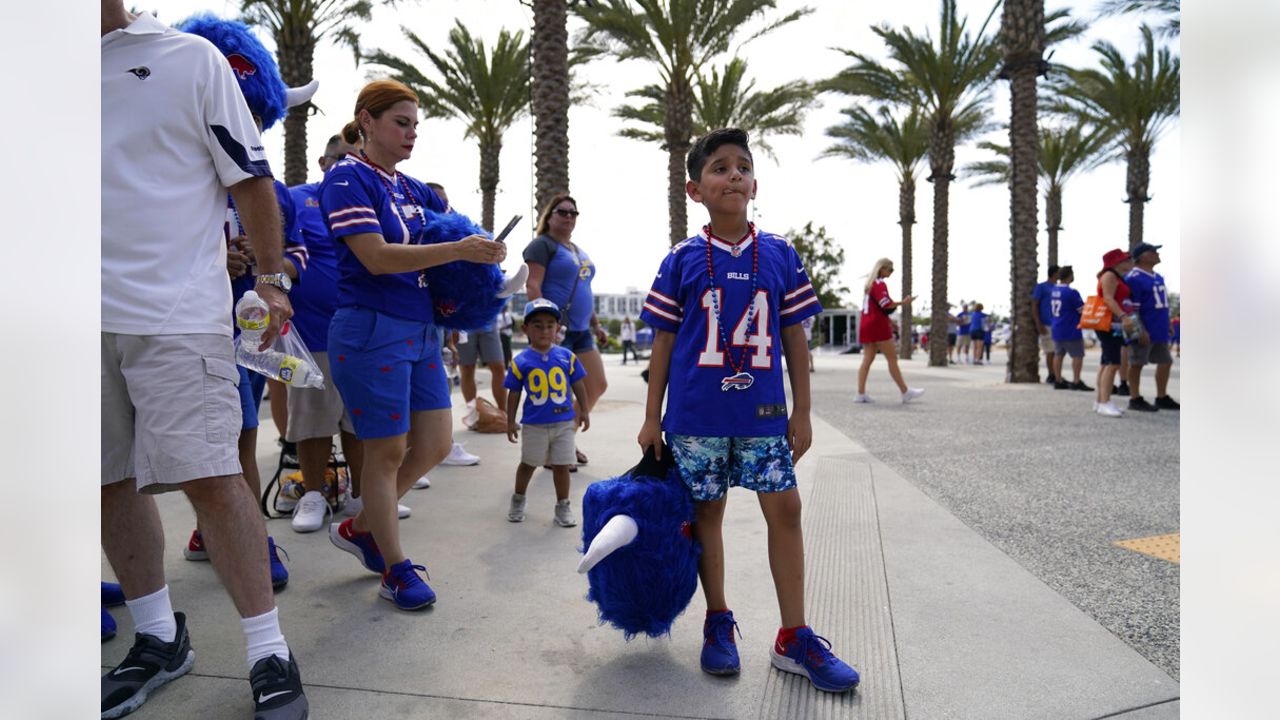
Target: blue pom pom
x,y
465,293
255,69
644,586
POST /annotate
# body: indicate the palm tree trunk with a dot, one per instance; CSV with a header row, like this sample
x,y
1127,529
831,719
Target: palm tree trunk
x,y
677,128
1137,178
1053,219
942,158
549,46
1024,151
295,58
489,152
907,218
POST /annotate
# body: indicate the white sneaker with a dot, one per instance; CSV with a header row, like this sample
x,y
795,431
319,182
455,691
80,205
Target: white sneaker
x,y
422,483
1096,404
515,513
912,394
354,505
310,513
564,514
458,456
1108,409
402,511
863,398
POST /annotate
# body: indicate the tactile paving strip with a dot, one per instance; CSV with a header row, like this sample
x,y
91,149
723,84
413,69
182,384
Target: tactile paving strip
x,y
847,602
1165,547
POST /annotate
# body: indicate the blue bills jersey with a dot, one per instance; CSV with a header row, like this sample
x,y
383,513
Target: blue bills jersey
x,y
1064,307
733,391
1041,295
354,199
546,381
1151,300
315,295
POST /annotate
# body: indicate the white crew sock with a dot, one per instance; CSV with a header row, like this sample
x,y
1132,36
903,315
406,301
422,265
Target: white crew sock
x,y
153,615
263,637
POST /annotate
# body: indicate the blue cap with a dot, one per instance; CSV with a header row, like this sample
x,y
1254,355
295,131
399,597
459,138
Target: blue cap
x,y
1142,248
541,305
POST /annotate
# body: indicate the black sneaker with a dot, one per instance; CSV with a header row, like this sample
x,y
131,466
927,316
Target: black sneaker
x,y
277,690
1061,385
1122,390
150,663
1079,385
1137,403
1167,403
1049,380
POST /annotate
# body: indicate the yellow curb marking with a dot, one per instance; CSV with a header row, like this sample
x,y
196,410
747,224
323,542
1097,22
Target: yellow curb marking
x,y
1165,547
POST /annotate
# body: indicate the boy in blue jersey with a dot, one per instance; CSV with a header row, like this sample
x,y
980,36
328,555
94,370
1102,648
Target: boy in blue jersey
x,y
719,306
1064,309
547,371
1150,298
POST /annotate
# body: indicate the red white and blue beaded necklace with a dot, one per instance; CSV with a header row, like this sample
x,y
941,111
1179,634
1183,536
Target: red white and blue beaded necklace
x,y
741,379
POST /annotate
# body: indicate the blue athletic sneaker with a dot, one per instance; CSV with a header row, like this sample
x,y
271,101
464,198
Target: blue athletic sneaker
x,y
112,595
810,655
719,650
279,574
402,586
108,626
362,545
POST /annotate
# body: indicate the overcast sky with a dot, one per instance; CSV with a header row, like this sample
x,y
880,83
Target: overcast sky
x,y
620,184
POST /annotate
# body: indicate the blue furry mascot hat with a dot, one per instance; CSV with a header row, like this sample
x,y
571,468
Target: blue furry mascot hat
x,y
254,66
640,559
465,293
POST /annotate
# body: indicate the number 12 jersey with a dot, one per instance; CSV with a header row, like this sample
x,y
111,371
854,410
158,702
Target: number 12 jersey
x,y
733,391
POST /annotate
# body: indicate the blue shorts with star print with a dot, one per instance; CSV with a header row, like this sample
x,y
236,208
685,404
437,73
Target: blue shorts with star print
x,y
385,368
712,465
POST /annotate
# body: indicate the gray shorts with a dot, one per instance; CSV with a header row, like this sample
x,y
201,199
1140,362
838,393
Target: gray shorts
x,y
317,413
170,409
1151,353
962,341
485,344
1074,348
1046,343
550,444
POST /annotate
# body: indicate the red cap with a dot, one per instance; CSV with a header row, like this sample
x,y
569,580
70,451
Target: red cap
x,y
1113,258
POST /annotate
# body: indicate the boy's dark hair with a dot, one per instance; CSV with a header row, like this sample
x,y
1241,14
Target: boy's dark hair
x,y
1066,271
709,143
1053,272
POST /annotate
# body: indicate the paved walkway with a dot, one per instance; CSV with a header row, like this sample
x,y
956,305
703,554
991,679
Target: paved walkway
x,y
941,622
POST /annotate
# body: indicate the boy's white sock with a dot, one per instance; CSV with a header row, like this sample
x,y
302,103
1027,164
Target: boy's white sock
x,y
153,615
263,637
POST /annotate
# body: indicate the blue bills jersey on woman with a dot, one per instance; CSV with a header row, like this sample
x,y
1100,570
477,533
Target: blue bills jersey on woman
x,y
546,380
733,391
356,198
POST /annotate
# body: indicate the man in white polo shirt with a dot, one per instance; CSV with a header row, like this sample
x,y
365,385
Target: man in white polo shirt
x,y
176,135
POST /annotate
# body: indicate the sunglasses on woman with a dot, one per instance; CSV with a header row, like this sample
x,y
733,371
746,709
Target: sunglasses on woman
x,y
565,213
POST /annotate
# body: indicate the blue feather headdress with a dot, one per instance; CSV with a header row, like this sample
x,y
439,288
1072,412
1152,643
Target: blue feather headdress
x,y
254,66
465,294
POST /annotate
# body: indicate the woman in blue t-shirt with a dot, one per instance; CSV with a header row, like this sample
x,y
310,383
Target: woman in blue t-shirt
x,y
562,272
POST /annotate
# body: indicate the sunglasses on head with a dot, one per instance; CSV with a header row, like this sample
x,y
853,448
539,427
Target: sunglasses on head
x,y
565,213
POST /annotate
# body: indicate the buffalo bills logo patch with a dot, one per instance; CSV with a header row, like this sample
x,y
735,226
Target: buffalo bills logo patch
x,y
241,65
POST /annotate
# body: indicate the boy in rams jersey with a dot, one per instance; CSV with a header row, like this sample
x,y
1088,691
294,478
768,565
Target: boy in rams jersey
x,y
726,304
547,371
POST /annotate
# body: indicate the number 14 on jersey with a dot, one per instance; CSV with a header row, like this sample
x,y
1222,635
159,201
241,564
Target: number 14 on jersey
x,y
760,339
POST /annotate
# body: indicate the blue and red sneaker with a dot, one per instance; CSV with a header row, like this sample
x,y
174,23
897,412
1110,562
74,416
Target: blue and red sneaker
x,y
719,650
402,586
810,655
359,544
279,573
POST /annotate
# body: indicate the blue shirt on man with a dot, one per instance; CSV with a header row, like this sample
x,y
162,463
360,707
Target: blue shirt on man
x,y
1151,300
1041,295
1065,303
315,296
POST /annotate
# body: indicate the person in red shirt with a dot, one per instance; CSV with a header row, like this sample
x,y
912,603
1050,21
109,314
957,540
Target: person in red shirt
x,y
875,332
1115,293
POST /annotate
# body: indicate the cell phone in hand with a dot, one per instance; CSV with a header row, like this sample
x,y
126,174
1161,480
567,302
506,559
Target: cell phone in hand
x,y
507,230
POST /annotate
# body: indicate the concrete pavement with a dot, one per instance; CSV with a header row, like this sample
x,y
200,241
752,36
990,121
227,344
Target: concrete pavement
x,y
941,621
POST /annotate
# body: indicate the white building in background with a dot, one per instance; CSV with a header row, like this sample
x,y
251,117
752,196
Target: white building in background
x,y
615,306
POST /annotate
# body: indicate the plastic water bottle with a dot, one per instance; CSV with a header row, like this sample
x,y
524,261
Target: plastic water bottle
x,y
252,317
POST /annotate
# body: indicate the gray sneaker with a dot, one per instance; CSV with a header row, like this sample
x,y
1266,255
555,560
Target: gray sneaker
x,y
516,513
564,514
277,690
151,662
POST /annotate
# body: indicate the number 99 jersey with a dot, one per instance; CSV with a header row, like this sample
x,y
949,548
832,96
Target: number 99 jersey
x,y
547,382
733,391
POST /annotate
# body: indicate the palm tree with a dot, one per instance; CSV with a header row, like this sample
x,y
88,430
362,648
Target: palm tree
x,y
723,100
487,91
950,81
298,28
867,138
1064,153
1171,9
549,101
1134,102
678,36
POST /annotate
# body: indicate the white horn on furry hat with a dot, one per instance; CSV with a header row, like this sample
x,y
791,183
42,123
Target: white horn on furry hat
x,y
293,97
618,532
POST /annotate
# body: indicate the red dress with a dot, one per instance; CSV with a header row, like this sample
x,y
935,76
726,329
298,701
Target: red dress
x,y
874,325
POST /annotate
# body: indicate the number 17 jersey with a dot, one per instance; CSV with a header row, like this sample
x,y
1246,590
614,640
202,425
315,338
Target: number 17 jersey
x,y
733,391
